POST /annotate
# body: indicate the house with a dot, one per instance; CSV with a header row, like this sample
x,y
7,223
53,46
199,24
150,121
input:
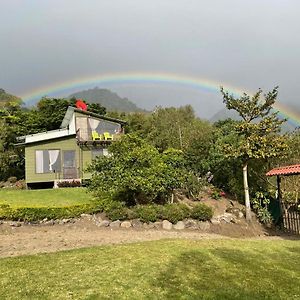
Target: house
x,y
64,154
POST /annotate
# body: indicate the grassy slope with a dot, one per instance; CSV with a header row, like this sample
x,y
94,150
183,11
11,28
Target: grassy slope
x,y
42,198
172,269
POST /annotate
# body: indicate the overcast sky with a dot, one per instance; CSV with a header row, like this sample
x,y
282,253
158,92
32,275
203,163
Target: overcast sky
x,y
248,44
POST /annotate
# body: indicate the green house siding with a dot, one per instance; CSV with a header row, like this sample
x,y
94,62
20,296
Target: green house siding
x,y
82,157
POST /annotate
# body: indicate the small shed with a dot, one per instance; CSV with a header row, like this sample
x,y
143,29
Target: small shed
x,y
290,212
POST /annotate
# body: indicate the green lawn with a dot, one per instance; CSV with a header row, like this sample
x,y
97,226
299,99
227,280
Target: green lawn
x,y
169,269
42,198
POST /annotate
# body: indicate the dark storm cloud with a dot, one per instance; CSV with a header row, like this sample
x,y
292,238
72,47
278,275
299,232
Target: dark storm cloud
x,y
248,44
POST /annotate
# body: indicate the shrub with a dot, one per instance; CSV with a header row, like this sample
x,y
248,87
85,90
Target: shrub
x,y
148,213
73,183
39,213
261,206
175,212
201,212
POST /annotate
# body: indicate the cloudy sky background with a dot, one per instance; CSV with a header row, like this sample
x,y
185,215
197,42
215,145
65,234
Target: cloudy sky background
x,y
247,44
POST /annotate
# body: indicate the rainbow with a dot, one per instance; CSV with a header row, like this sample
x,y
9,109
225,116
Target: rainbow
x,y
130,78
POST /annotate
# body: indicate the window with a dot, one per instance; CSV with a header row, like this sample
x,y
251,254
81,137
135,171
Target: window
x,y
69,159
47,161
99,152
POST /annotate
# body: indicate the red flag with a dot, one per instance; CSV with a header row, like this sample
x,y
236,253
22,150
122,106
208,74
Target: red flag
x,y
81,105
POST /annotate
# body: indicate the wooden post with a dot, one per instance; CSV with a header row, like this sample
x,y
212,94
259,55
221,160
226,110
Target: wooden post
x,y
280,221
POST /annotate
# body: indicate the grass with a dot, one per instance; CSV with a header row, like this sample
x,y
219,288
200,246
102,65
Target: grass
x,y
169,269
44,198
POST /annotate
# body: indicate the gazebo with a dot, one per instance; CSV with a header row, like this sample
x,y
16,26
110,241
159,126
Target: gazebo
x,y
290,214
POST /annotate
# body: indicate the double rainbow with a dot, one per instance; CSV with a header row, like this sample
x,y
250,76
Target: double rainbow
x,y
146,78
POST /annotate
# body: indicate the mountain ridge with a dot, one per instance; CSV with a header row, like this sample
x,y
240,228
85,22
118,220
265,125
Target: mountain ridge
x,y
110,100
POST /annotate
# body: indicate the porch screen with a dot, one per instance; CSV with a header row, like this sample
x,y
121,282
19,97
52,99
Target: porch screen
x,y
47,161
99,152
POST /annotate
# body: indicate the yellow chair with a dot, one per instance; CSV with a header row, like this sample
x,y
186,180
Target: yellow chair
x,y
107,136
96,136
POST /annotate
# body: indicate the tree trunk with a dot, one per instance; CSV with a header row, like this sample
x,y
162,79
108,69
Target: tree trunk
x,y
246,189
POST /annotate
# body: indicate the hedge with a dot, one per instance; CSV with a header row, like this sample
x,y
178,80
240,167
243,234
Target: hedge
x,y
40,213
114,210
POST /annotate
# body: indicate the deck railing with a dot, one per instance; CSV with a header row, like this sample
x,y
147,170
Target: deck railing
x,y
94,136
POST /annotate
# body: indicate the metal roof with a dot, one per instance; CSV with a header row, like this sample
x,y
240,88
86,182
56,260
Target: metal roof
x,y
72,109
287,170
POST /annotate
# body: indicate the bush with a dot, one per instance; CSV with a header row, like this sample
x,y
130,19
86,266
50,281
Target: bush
x,y
148,213
39,213
73,183
260,205
201,212
175,212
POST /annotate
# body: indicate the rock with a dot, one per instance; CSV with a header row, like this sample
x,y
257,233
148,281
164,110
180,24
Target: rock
x,y
126,224
15,224
240,215
167,225
104,223
44,220
191,224
86,216
50,222
136,223
235,211
145,226
227,217
64,221
179,225
1,222
215,221
204,226
150,225
157,225
115,224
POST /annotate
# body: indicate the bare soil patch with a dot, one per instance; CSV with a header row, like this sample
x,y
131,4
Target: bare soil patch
x,y
33,239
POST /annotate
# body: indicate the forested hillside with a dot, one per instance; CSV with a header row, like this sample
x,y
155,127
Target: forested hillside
x,y
111,101
5,98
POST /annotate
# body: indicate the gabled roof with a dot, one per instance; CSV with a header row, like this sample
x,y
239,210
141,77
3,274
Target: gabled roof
x,y
67,127
71,110
287,170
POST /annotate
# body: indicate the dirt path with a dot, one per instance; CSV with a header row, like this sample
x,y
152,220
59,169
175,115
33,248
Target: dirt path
x,y
33,239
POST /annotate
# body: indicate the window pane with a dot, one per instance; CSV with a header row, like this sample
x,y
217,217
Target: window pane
x,y
55,160
69,158
46,162
39,161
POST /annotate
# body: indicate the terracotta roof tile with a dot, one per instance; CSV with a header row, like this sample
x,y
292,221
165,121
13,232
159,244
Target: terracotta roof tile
x,y
287,170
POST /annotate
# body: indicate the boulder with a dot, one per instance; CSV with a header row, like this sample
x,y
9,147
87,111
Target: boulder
x,y
215,221
15,224
150,225
179,225
50,222
64,221
126,224
191,224
204,226
115,224
157,225
167,225
240,215
136,223
227,217
104,223
86,216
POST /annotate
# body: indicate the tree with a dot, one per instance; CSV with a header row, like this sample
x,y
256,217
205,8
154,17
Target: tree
x,y
137,172
258,132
